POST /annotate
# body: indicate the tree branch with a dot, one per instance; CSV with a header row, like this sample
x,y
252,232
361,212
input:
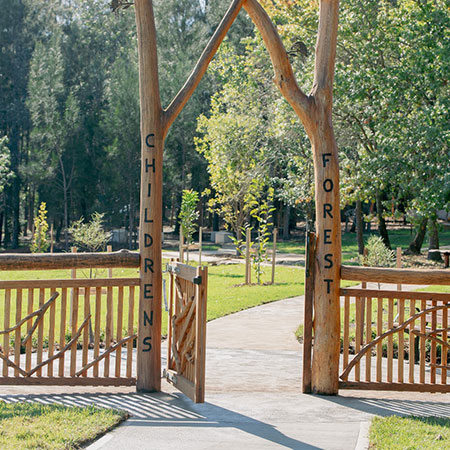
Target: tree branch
x,y
185,93
326,52
284,76
148,54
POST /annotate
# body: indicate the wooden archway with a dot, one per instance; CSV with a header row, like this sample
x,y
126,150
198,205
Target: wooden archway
x,y
313,109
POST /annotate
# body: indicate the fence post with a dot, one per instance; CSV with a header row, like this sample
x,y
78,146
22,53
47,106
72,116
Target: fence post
x,y
399,265
308,311
181,247
51,238
274,253
110,275
248,273
73,274
200,241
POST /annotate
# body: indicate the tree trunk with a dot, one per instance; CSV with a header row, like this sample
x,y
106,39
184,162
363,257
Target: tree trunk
x,y
7,235
15,186
286,217
433,240
359,227
415,245
1,226
216,222
130,222
328,260
382,223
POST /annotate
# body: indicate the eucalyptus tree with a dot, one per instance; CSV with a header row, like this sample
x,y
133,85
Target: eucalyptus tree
x,y
120,172
392,98
16,49
5,177
54,114
235,136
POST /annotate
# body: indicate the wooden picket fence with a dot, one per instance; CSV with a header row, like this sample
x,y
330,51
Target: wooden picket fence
x,y
390,339
69,331
395,340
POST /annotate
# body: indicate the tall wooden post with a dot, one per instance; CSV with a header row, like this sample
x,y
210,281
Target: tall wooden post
x,y
152,138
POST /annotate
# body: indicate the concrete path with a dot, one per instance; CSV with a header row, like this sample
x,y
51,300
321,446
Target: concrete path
x,y
253,396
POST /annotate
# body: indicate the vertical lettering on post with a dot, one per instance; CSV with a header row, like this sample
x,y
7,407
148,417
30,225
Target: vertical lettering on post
x,y
149,357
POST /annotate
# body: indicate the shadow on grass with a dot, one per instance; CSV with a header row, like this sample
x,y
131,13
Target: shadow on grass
x,y
224,275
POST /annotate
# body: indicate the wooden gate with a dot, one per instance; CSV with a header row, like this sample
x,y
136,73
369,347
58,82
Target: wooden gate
x,y
187,330
395,340
68,331
390,339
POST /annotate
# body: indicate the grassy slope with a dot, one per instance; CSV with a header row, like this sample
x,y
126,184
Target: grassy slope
x,y
53,427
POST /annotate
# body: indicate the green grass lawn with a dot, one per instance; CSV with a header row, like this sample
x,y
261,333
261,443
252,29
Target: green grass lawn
x,y
411,433
226,294
53,427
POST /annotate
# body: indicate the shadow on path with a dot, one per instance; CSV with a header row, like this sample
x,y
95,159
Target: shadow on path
x,y
169,410
389,407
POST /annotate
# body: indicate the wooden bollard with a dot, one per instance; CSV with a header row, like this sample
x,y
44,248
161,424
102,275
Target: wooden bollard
x,y
248,273
274,253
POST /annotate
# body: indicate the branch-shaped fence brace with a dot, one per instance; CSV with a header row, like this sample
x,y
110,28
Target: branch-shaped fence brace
x,y
12,364
40,313
61,352
105,353
373,343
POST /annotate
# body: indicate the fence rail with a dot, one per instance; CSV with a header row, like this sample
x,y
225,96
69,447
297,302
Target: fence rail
x,y
47,261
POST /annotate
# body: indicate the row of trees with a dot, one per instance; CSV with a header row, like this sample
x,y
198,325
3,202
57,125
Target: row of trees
x,y
69,106
69,112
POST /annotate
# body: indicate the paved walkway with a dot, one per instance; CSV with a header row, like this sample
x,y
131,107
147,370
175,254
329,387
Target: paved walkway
x,y
253,396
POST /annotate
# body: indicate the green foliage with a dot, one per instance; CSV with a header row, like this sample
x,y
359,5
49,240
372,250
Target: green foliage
x,y
90,236
392,103
188,214
378,255
40,242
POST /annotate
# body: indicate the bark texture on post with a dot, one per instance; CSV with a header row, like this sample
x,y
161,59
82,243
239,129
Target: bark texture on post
x,y
315,112
149,331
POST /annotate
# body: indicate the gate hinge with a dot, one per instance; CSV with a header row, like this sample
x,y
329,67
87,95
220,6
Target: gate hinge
x,y
197,280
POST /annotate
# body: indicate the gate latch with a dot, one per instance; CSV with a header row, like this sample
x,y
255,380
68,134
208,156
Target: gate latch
x,y
172,269
197,280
